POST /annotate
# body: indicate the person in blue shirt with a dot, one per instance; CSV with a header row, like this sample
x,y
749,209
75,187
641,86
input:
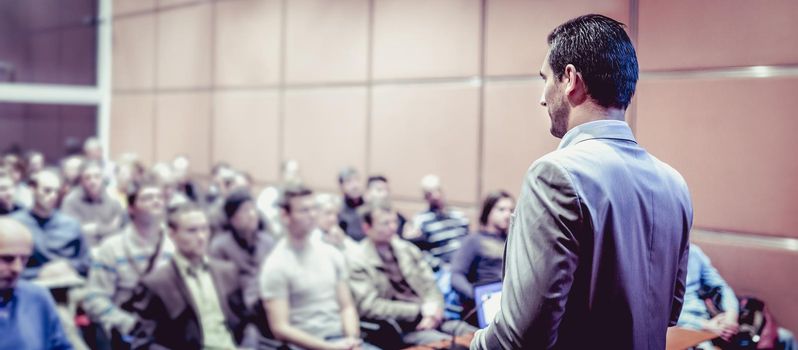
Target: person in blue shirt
x,y
695,315
28,319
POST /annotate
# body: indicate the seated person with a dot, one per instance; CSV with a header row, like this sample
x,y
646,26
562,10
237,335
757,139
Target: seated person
x,y
390,280
440,227
56,236
99,214
350,183
304,283
28,317
193,302
379,190
328,229
479,259
122,260
695,315
246,244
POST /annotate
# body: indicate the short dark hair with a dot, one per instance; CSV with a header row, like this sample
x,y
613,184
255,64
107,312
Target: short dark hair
x,y
367,211
376,178
291,192
490,201
176,211
602,52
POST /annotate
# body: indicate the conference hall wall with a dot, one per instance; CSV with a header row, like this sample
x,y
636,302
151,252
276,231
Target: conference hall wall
x,y
410,87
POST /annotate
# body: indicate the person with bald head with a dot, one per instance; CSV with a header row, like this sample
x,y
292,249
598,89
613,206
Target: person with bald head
x,y
28,318
56,236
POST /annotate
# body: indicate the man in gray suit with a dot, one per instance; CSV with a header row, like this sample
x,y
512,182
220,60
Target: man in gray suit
x,y
597,251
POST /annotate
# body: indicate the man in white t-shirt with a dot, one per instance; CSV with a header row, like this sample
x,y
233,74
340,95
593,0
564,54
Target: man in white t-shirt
x,y
304,283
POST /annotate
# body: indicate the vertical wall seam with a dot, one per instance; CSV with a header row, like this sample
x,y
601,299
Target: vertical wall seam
x,y
281,88
369,85
481,102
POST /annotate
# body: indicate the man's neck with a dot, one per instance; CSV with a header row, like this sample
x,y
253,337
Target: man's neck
x,y
148,231
298,241
42,212
590,112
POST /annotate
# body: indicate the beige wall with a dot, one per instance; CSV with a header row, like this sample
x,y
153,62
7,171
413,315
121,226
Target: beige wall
x,y
409,87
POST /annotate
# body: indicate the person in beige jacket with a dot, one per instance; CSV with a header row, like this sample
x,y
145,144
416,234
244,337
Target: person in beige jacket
x,y
390,280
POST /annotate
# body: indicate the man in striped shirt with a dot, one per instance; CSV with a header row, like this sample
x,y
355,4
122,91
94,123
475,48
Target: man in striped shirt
x,y
441,227
123,259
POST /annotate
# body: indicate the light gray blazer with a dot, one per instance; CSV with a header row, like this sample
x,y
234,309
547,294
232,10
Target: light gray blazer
x,y
597,251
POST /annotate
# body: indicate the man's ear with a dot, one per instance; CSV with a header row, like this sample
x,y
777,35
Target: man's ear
x,y
575,88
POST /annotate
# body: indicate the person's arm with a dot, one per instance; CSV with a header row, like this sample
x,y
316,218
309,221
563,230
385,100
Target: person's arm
x,y
278,312
349,316
463,262
711,277
101,286
149,308
540,260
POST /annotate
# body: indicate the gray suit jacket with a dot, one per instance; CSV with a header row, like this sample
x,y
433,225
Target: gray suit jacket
x,y
597,251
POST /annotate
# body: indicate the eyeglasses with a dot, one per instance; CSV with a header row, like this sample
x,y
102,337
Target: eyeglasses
x,y
10,258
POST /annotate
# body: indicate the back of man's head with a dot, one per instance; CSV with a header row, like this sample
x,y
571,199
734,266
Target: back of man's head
x,y
602,53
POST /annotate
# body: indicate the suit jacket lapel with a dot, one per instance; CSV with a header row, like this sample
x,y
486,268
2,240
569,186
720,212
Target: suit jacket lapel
x,y
176,299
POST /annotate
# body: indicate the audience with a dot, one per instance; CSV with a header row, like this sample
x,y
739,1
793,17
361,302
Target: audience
x,y
440,227
702,276
229,278
479,260
304,283
391,280
56,236
90,203
123,259
194,302
28,318
352,190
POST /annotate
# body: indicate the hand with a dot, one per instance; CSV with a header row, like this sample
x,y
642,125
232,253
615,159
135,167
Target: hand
x,y
432,309
427,323
722,326
348,343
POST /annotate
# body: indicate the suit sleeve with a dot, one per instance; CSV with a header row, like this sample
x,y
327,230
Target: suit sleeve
x,y
540,261
681,283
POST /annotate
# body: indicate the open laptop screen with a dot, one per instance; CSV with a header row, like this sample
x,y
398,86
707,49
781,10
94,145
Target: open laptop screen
x,y
488,298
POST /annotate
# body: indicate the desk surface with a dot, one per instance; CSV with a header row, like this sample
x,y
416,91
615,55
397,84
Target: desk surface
x,y
682,338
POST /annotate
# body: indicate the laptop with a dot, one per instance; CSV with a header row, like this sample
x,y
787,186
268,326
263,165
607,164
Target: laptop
x,y
488,299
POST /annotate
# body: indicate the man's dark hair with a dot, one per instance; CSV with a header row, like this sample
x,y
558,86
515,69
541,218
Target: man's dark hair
x,y
490,201
367,211
291,192
602,52
376,178
175,212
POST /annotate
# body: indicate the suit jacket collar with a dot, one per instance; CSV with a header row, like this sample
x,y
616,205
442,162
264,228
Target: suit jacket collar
x,y
177,299
405,261
599,129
